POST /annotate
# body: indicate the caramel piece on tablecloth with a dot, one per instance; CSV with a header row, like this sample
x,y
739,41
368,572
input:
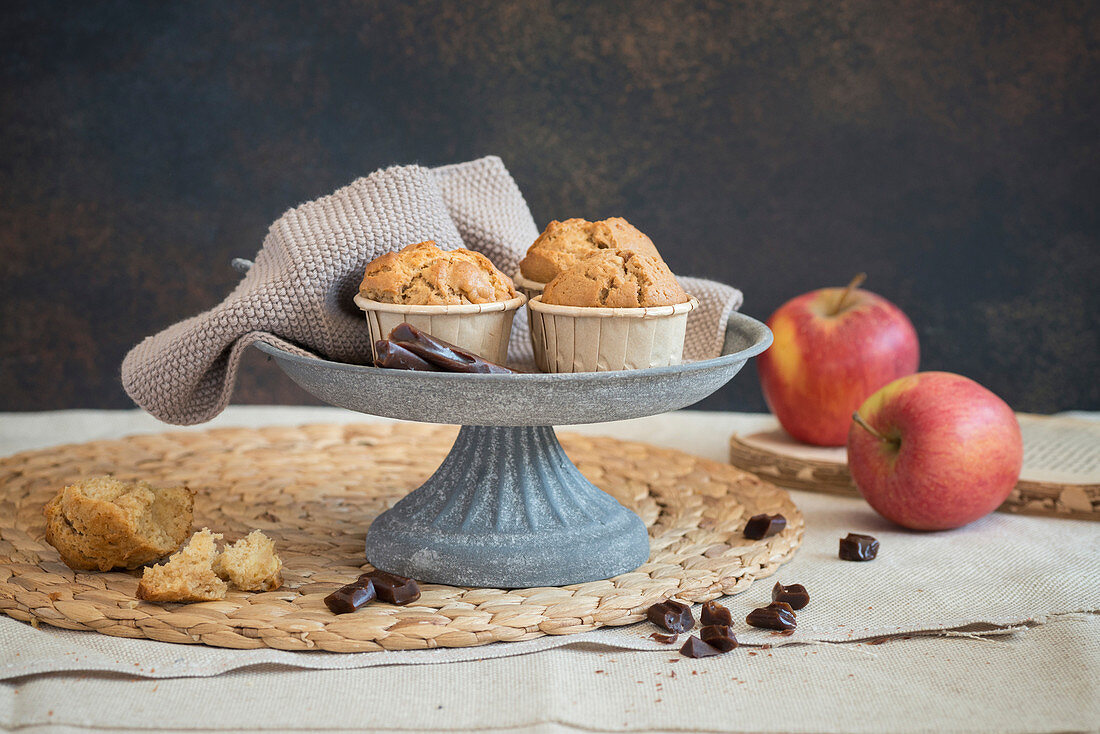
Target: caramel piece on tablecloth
x,y
858,547
795,595
776,616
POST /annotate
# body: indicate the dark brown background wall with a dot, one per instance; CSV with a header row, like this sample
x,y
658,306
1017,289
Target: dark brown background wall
x,y
948,148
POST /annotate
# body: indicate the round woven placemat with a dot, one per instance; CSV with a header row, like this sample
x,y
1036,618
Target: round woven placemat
x,y
314,490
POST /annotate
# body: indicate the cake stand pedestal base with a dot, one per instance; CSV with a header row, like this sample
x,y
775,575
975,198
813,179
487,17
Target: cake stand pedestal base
x,y
507,508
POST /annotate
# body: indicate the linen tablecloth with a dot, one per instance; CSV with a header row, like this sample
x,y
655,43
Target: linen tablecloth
x,y
1041,679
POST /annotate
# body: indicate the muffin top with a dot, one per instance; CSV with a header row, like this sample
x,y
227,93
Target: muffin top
x,y
562,244
616,279
424,275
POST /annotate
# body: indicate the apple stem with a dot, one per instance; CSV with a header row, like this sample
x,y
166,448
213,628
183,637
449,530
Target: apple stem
x,y
856,283
870,429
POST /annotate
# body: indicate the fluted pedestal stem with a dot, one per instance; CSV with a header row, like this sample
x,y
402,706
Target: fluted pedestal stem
x,y
507,508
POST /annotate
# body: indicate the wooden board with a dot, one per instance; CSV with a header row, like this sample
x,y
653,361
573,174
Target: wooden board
x,y
1058,479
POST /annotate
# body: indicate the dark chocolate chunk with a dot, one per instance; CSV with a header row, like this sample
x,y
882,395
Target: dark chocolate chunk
x,y
718,636
444,355
351,597
858,547
696,648
671,615
664,639
395,357
795,595
715,613
392,588
764,526
776,616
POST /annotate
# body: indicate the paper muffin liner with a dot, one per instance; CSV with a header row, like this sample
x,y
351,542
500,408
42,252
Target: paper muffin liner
x,y
527,287
481,328
532,289
580,339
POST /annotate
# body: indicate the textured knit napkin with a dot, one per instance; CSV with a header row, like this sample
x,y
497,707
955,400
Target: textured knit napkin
x,y
298,294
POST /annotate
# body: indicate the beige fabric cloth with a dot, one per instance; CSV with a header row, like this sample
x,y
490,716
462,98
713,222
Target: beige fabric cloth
x,y
1002,571
1041,680
299,292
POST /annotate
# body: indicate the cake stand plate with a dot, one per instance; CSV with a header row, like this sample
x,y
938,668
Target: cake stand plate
x,y
507,508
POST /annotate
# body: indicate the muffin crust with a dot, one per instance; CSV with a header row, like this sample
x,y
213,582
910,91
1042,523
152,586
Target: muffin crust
x,y
562,244
424,275
616,279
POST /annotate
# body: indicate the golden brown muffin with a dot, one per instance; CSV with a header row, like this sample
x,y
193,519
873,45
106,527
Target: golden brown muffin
x,y
251,564
562,244
188,575
424,275
615,279
102,523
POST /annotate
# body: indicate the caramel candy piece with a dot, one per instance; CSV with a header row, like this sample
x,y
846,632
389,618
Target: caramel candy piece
x,y
391,588
443,355
664,639
719,637
351,597
671,615
696,648
776,616
715,613
764,526
795,595
395,357
858,547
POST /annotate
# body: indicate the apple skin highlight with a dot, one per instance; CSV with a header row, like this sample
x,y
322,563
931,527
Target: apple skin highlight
x,y
953,451
823,365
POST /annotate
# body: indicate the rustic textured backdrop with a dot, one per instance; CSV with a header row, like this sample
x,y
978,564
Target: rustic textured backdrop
x,y
947,148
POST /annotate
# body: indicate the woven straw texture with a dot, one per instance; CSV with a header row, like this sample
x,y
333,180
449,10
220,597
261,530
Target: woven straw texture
x,y
314,490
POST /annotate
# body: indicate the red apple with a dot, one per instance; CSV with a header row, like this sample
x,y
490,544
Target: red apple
x,y
934,451
833,347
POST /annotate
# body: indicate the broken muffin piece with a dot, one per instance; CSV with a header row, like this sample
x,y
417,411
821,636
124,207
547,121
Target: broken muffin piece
x,y
188,575
102,522
251,564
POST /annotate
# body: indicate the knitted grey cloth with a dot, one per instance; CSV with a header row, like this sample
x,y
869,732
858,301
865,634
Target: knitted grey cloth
x,y
298,294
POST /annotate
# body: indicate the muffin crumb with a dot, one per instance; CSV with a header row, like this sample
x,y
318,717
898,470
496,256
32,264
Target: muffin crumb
x,y
251,564
188,575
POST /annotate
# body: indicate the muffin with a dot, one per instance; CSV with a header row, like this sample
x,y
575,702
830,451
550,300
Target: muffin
x,y
458,296
102,523
613,310
562,244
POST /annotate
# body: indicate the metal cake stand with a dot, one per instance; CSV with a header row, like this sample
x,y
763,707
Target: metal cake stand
x,y
507,508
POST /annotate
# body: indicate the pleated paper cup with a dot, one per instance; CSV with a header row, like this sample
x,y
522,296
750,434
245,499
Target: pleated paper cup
x,y
527,287
532,289
580,339
481,328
